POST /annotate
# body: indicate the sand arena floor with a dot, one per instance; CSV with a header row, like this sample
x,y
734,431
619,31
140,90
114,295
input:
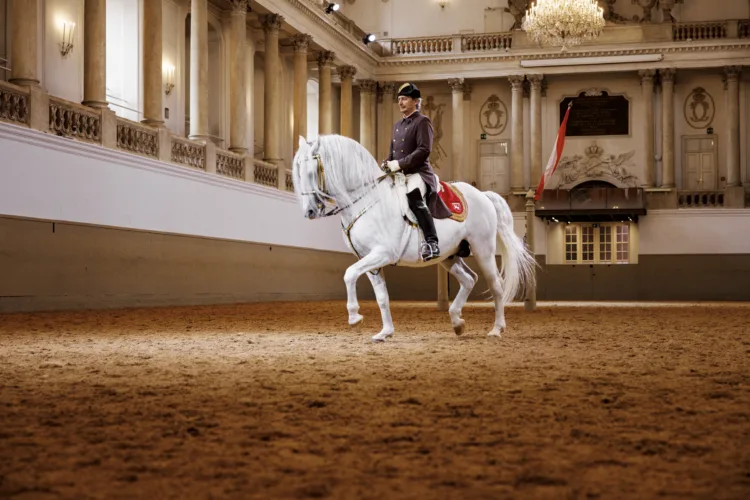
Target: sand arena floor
x,y
285,401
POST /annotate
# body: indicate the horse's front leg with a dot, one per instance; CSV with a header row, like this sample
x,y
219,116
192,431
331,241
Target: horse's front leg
x,y
381,295
369,262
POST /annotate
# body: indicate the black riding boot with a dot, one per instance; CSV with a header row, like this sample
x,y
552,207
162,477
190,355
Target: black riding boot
x,y
417,204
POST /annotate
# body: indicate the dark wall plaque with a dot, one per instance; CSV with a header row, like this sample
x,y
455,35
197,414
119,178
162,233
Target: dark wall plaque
x,y
599,114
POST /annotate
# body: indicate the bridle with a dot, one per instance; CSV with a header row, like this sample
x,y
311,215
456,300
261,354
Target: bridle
x,y
322,196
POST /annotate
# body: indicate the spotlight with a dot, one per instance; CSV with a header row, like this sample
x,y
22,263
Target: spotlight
x,y
332,7
368,38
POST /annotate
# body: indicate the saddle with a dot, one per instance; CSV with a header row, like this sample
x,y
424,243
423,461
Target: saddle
x,y
450,194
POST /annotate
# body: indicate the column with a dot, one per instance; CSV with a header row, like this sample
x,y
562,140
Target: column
x,y
389,96
732,86
237,82
95,53
516,141
153,86
469,170
457,149
250,101
647,92
346,73
667,134
24,42
325,121
366,129
301,43
535,83
272,108
199,70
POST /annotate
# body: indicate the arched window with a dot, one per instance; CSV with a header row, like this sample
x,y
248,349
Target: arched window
x,y
124,58
4,37
312,109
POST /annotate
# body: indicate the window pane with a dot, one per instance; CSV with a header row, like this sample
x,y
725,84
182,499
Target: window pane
x,y
623,240
571,243
587,244
605,244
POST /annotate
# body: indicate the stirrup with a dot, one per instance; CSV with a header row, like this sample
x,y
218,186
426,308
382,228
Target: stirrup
x,y
429,251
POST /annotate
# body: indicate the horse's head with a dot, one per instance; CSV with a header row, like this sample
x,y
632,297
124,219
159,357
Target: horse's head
x,y
305,171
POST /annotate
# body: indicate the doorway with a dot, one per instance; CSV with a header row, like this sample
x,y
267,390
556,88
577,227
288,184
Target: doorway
x,y
494,174
700,163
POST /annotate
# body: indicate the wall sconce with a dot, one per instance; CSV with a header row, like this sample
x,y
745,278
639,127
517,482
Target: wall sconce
x,y
66,44
443,3
168,70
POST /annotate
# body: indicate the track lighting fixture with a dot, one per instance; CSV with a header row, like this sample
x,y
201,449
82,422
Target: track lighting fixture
x,y
368,38
332,7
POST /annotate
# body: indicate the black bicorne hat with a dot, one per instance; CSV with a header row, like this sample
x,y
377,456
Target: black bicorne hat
x,y
409,90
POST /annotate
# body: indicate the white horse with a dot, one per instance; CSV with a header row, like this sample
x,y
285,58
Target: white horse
x,y
339,172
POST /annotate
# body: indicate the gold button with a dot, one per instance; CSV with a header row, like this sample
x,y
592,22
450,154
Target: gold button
x,y
396,130
402,150
402,140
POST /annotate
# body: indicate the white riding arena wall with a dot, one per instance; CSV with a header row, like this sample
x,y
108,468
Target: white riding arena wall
x,y
82,226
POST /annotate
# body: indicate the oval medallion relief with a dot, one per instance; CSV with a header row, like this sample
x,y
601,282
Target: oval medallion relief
x,y
493,117
699,108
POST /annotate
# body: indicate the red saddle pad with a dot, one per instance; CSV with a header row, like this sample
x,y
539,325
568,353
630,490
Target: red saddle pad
x,y
453,198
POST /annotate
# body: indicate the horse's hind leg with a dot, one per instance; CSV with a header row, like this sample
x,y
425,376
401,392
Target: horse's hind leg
x,y
466,279
492,275
381,295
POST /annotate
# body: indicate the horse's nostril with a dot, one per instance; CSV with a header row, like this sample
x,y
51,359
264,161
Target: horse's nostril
x,y
310,214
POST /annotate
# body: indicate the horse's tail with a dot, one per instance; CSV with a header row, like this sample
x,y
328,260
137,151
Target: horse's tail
x,y
517,266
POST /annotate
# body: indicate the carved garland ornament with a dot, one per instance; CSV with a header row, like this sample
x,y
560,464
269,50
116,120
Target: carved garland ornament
x,y
596,165
699,108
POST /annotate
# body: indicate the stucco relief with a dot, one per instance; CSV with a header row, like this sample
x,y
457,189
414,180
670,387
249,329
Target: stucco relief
x,y
493,116
699,108
435,113
594,164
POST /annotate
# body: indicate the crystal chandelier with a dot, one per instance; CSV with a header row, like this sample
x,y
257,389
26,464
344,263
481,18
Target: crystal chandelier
x,y
564,22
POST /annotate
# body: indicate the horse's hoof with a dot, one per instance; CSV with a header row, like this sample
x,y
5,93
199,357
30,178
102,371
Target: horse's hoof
x,y
459,327
355,320
495,332
380,337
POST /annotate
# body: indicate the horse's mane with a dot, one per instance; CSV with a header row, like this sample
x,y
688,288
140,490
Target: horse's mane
x,y
351,177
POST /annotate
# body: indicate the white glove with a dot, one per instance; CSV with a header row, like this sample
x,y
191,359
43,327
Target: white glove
x,y
393,166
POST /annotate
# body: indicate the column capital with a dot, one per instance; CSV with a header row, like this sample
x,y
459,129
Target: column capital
x,y
516,82
535,81
271,22
301,42
239,6
389,87
367,86
456,84
731,74
467,91
325,58
647,76
379,94
667,75
347,72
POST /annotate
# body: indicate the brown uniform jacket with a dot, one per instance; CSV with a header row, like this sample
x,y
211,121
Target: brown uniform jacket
x,y
411,146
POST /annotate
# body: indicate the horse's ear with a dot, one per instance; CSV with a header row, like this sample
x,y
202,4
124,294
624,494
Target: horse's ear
x,y
302,142
315,145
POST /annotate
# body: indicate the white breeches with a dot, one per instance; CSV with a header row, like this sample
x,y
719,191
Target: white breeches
x,y
415,181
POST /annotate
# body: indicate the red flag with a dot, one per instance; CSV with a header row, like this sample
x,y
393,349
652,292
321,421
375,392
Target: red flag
x,y
554,158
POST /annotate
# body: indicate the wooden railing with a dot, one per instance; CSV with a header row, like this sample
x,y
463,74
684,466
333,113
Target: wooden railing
x,y
486,41
699,31
422,45
265,173
700,199
14,103
137,138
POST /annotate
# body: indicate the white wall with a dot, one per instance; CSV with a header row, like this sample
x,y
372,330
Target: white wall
x,y
124,58
413,18
696,231
51,178
62,76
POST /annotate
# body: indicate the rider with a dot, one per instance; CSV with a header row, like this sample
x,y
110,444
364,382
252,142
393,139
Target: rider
x,y
410,153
